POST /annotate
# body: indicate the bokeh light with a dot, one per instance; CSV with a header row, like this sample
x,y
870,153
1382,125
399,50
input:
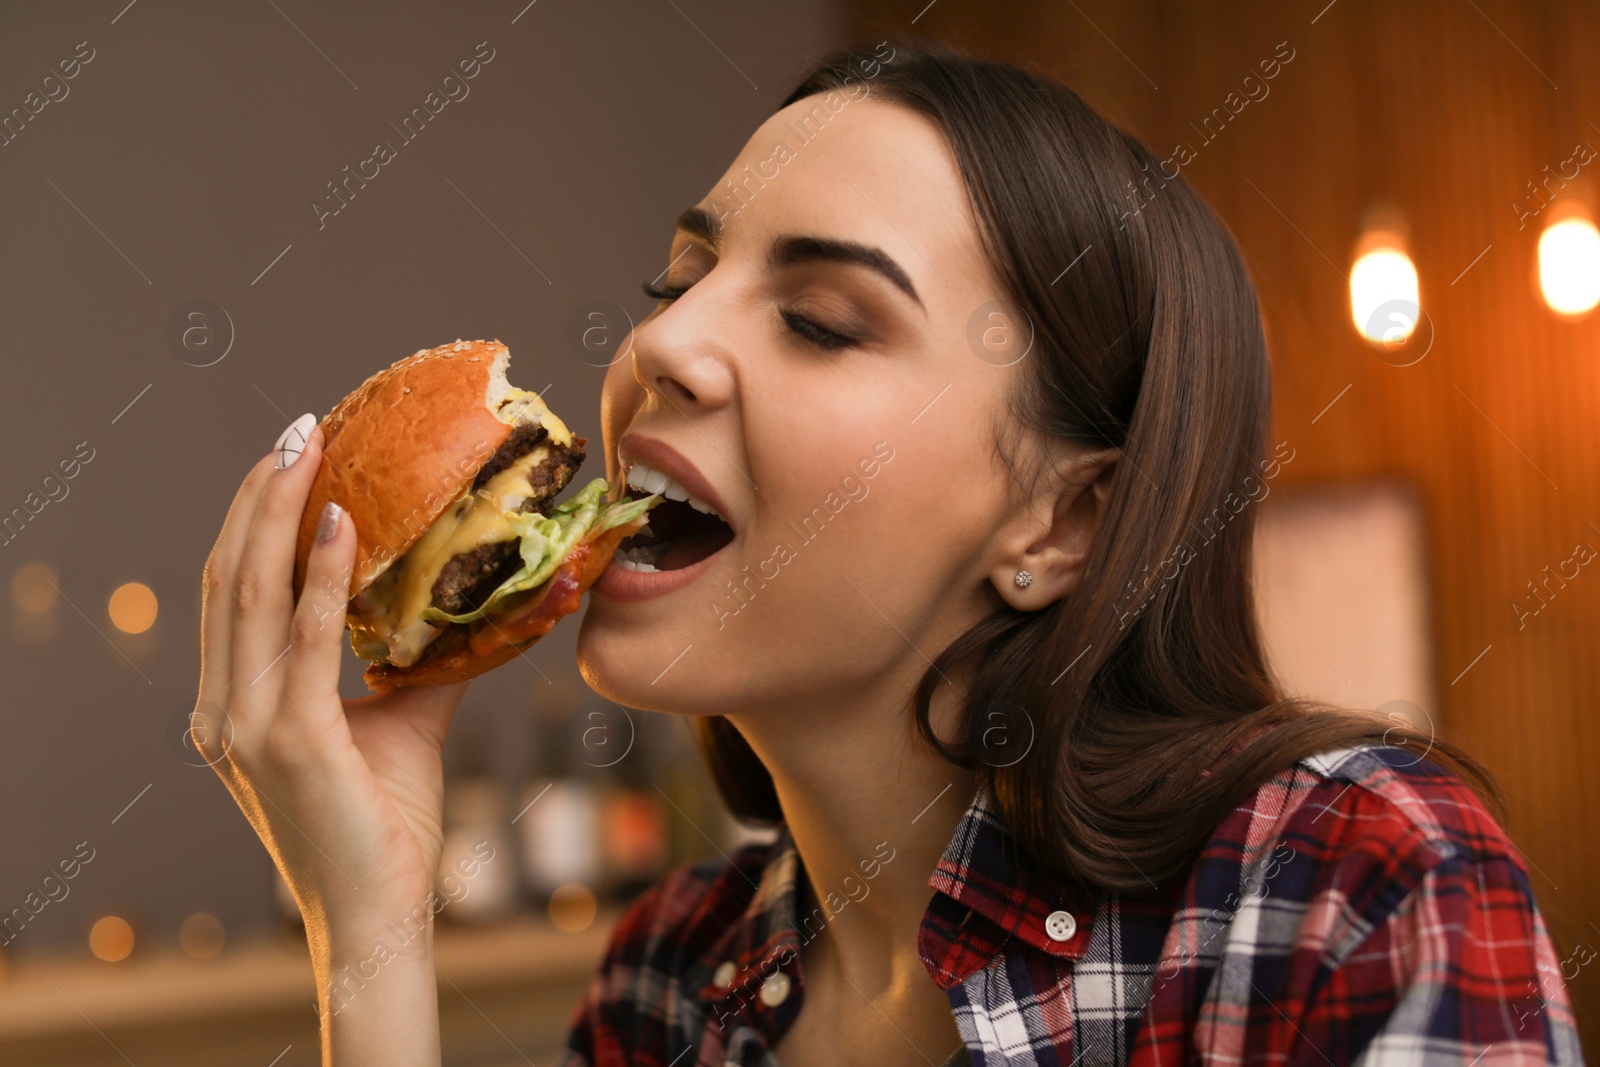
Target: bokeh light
x,y
34,588
111,939
133,608
201,936
572,907
1385,302
1569,266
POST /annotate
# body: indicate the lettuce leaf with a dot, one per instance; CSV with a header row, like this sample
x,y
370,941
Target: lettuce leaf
x,y
546,540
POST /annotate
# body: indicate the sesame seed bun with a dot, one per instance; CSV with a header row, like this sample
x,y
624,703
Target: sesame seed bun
x,y
405,444
396,453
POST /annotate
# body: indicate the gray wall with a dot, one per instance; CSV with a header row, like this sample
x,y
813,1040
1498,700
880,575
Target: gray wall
x,y
191,148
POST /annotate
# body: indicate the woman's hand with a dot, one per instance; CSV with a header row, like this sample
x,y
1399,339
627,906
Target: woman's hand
x,y
346,795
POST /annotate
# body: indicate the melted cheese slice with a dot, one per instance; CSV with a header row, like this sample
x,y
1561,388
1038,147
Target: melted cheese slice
x,y
395,602
519,402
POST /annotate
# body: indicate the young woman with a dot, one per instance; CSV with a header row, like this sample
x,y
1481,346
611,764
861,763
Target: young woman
x,y
981,393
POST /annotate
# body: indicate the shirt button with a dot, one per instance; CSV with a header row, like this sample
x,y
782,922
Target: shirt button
x,y
1060,925
775,989
723,978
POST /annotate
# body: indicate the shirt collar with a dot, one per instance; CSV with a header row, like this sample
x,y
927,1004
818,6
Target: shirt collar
x,y
984,872
764,937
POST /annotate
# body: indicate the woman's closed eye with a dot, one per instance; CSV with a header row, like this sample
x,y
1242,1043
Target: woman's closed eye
x,y
807,328
664,292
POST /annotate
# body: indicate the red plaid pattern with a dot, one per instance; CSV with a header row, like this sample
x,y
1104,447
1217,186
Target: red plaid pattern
x,y
1359,906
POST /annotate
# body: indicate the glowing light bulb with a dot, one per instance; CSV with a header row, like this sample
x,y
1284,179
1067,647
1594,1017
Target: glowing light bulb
x,y
1569,266
1384,297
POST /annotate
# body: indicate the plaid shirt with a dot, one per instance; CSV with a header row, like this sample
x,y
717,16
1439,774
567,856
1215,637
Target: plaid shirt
x,y
1361,903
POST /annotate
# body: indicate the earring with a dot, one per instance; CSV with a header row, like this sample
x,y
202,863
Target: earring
x,y
1024,579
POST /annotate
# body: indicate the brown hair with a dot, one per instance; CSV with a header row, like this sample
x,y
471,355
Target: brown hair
x,y
1145,693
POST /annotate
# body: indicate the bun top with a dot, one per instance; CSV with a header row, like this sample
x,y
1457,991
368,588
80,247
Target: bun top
x,y
404,445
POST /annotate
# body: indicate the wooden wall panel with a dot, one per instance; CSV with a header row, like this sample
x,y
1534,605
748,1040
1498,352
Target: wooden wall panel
x,y
1443,109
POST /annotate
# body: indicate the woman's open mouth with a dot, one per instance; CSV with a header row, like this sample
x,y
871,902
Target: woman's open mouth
x,y
680,533
684,531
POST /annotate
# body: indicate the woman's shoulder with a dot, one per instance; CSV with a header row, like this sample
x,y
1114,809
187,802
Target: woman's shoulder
x,y
1393,909
667,936
1367,825
1380,795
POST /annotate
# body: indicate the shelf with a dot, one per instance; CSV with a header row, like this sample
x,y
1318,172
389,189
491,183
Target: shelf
x,y
41,998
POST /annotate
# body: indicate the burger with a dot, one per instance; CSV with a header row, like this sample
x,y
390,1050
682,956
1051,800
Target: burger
x,y
450,476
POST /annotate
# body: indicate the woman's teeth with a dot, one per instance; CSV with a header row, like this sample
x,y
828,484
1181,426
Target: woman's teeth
x,y
654,481
683,529
631,559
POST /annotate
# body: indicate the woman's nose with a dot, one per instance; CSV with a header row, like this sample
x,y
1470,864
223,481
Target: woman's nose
x,y
684,354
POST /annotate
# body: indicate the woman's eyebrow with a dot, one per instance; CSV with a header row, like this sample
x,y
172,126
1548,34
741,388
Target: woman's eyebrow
x,y
789,249
699,223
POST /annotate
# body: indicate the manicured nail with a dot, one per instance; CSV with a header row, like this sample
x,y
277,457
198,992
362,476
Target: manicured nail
x,y
292,441
328,524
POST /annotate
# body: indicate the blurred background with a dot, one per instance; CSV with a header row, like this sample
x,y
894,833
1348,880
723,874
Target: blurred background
x,y
188,264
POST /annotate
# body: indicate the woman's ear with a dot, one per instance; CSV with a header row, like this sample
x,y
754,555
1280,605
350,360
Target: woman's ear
x,y
1040,554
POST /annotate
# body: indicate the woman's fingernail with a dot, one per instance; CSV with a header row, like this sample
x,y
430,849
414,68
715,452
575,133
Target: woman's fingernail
x,y
292,441
328,524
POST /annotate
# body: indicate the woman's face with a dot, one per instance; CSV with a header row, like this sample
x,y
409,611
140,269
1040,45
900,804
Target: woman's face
x,y
812,379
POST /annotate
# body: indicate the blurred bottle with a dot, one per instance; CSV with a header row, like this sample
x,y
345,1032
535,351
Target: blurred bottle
x,y
477,868
476,881
696,815
633,839
634,843
558,821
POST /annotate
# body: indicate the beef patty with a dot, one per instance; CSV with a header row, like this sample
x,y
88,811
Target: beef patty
x,y
468,579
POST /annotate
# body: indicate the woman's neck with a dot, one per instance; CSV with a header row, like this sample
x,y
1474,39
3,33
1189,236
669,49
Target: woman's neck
x,y
870,807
